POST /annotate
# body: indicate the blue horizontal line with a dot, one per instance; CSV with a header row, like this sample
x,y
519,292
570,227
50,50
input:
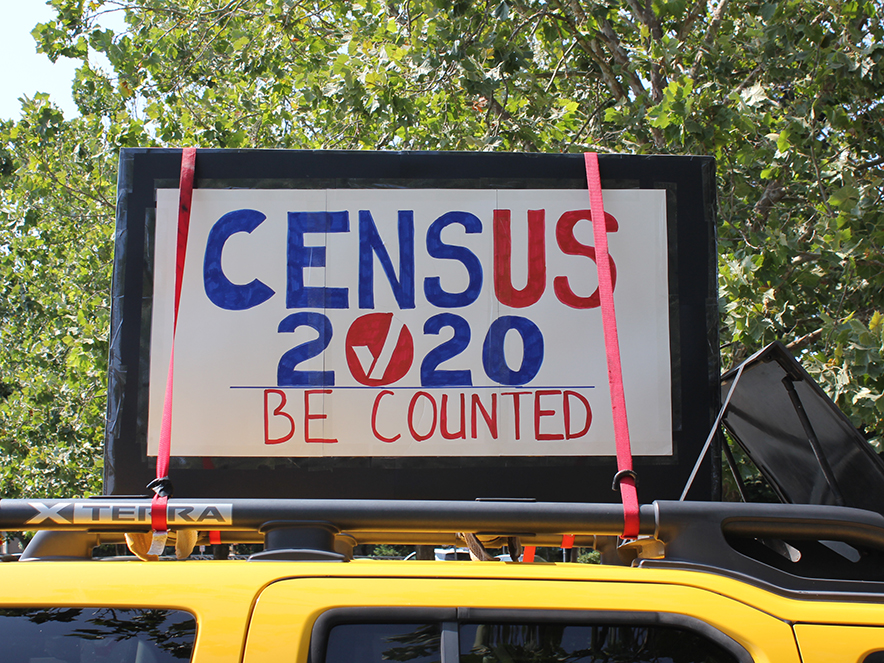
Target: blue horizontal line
x,y
392,388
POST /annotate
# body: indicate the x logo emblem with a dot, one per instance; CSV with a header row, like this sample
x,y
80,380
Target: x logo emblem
x,y
48,512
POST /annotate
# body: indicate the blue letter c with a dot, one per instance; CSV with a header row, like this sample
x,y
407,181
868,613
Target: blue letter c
x,y
219,289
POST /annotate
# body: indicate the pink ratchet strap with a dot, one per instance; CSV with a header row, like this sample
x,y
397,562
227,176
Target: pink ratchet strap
x,y
625,478
161,485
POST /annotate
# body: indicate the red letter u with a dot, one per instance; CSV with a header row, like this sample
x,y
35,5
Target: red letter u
x,y
503,250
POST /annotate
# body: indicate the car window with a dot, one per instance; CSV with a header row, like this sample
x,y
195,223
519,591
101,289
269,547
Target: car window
x,y
542,643
521,643
96,635
378,643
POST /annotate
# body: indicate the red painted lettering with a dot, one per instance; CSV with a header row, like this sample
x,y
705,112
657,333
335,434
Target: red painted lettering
x,y
503,248
443,424
516,411
490,421
374,418
566,406
540,412
569,245
411,407
308,416
278,412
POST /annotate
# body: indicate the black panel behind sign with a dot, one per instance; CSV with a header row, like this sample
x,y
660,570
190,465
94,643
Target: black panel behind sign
x,y
690,198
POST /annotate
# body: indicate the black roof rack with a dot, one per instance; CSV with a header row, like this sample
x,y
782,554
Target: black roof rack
x,y
805,550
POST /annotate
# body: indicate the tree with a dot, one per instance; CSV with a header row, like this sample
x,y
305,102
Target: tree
x,y
56,232
787,96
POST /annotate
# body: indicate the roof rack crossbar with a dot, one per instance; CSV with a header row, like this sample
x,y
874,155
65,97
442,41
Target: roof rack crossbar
x,y
500,518
665,520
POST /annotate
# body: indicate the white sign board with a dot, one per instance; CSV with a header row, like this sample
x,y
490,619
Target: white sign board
x,y
408,322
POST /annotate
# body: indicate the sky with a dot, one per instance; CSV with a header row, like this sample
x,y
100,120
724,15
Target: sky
x,y
25,71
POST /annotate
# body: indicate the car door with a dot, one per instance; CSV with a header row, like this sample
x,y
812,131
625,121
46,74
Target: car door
x,y
827,643
471,620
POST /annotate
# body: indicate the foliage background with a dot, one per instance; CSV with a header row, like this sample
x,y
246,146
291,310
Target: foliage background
x,y
786,95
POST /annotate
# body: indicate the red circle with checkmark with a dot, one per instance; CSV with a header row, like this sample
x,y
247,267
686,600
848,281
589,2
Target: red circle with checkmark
x,y
379,348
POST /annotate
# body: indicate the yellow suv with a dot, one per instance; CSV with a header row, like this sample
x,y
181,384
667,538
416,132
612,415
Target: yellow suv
x,y
705,582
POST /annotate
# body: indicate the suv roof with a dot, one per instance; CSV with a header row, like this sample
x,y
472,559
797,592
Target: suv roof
x,y
802,550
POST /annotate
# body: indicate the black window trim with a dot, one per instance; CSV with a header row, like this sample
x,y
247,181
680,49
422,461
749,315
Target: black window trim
x,y
450,618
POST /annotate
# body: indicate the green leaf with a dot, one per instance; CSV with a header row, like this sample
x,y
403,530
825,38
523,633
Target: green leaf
x,y
845,197
783,143
754,95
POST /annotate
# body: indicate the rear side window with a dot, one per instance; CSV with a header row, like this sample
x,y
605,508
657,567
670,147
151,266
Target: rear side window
x,y
352,636
539,643
94,635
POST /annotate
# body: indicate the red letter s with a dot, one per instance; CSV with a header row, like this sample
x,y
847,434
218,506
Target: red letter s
x,y
570,246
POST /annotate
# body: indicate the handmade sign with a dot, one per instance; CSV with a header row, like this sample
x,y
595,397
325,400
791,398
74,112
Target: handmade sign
x,y
422,322
411,325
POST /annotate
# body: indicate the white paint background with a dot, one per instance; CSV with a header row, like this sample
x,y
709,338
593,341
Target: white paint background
x,y
217,350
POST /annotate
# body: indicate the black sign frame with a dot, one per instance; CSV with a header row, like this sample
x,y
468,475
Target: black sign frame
x,y
689,183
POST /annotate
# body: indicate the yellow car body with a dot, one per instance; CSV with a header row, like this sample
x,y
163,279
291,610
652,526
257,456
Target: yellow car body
x,y
372,611
265,611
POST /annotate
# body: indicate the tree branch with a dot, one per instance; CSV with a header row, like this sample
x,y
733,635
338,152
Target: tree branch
x,y
552,79
805,340
594,51
869,164
773,193
689,20
578,12
711,31
619,55
647,16
749,78
819,180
